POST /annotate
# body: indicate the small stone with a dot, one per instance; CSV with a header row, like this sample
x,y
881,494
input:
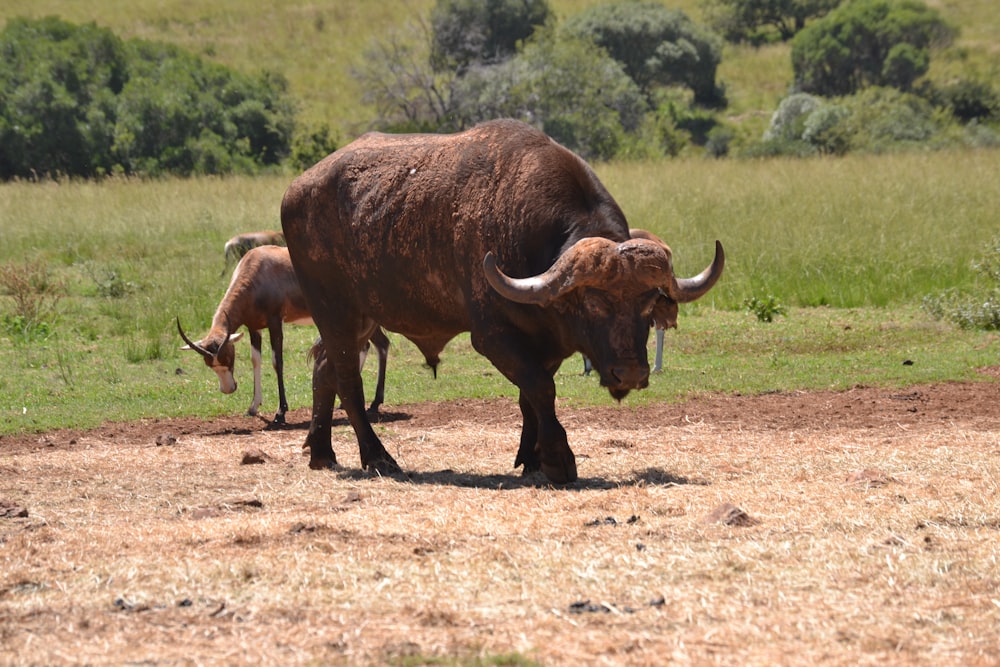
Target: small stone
x,y
254,457
730,515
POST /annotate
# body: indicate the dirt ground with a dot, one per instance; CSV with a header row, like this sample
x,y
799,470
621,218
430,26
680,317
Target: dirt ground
x,y
854,527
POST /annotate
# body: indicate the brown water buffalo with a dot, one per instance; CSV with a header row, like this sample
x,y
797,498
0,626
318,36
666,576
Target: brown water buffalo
x,y
498,231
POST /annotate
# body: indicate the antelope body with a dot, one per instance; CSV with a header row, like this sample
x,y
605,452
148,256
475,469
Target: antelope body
x,y
241,244
263,294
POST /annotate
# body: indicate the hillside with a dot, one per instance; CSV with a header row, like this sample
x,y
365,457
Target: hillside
x,y
315,44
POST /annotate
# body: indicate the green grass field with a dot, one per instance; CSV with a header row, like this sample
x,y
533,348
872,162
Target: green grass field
x,y
850,245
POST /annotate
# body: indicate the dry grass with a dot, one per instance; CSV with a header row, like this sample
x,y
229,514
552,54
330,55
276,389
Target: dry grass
x,y
874,543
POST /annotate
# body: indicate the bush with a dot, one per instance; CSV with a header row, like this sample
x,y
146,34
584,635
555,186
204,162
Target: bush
x,y
874,120
35,294
567,87
482,32
867,43
78,101
765,309
312,146
967,100
657,46
761,21
978,310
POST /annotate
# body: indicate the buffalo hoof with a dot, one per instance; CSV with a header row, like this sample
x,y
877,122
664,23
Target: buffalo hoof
x,y
323,463
279,419
385,466
560,474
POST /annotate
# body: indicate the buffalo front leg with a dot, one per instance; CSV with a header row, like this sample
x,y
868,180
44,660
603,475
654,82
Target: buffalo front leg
x,y
318,441
527,452
543,443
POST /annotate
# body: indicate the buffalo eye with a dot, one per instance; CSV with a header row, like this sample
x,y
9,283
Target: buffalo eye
x,y
597,305
648,303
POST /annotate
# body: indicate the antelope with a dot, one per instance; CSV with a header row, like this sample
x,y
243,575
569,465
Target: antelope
x,y
264,293
241,244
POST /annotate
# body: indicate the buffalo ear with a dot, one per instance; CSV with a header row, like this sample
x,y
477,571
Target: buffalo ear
x,y
185,347
235,337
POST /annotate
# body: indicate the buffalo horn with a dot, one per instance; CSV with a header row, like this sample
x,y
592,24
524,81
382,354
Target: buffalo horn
x,y
684,290
561,277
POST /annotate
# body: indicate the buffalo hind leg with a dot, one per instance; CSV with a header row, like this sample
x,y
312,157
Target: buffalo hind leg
x,y
374,457
318,441
381,343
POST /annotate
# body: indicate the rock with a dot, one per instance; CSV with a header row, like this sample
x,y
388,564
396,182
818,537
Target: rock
x,y
730,515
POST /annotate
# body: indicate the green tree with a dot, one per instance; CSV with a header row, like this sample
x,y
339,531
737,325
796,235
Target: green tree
x,y
566,86
758,20
483,32
867,43
57,88
76,100
657,46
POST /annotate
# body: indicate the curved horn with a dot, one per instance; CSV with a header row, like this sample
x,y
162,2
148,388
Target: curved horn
x,y
578,262
193,345
683,290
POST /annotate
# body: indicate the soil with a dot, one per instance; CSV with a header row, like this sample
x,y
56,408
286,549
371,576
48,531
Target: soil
x,y
972,403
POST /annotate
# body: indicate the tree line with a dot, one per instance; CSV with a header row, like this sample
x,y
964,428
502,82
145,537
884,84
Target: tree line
x,y
625,79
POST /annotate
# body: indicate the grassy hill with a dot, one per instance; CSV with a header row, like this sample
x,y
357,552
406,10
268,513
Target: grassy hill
x,y
315,44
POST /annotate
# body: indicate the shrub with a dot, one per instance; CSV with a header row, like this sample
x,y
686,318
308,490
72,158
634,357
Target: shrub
x,y
568,87
967,99
35,294
765,309
867,43
655,45
761,21
482,32
874,120
76,100
976,310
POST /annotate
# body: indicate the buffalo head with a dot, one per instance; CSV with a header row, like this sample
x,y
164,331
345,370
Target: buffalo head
x,y
608,294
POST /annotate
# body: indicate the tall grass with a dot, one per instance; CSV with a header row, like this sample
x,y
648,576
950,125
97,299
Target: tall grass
x,y
859,231
854,233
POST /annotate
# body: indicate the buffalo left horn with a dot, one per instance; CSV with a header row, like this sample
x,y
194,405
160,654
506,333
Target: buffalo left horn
x,y
574,268
190,343
684,290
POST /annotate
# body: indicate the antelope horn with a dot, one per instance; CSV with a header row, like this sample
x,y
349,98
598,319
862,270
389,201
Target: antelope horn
x,y
190,343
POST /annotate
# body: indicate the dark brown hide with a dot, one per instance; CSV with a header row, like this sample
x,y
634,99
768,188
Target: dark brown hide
x,y
394,229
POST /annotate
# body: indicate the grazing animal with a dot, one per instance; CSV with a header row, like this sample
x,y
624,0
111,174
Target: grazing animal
x,y
264,293
241,244
498,231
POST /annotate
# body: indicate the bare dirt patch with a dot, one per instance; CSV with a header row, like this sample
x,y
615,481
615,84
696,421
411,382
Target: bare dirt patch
x,y
848,527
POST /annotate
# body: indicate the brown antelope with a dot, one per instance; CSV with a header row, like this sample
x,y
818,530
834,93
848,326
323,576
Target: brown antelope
x,y
241,244
264,293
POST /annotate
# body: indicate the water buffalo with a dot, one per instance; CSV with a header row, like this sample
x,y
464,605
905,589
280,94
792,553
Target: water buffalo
x,y
498,231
